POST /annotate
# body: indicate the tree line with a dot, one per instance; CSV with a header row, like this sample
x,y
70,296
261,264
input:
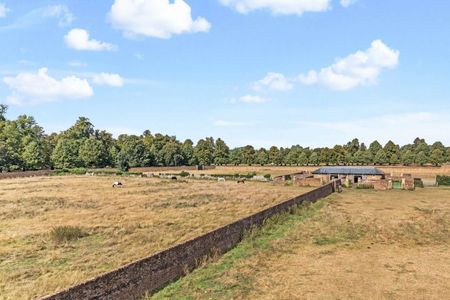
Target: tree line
x,y
25,146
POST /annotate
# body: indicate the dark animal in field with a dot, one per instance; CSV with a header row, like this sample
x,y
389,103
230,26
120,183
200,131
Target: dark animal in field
x,y
173,178
117,184
241,181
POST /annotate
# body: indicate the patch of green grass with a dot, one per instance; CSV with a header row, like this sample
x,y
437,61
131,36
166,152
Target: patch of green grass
x,y
205,282
61,234
325,240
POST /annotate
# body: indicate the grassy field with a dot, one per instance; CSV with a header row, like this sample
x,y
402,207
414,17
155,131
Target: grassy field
x,y
109,227
360,244
422,172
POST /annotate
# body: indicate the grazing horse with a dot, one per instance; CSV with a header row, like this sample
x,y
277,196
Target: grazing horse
x,y
241,181
117,184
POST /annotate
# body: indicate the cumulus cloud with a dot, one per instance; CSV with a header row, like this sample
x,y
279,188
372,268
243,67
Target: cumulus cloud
x,y
273,81
79,39
31,88
347,3
253,99
3,10
360,68
279,7
155,18
110,79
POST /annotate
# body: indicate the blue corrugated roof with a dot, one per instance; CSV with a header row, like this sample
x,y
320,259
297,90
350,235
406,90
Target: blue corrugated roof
x,y
349,171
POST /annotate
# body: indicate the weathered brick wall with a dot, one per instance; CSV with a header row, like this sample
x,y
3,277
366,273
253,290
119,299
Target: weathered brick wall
x,y
163,169
310,181
8,175
149,274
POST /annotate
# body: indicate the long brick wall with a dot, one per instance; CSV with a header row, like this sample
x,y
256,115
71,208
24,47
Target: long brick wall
x,y
132,281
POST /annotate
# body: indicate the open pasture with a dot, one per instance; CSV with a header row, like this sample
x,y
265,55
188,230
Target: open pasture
x,y
111,227
360,244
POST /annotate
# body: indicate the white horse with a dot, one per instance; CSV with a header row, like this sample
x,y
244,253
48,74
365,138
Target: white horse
x,y
117,184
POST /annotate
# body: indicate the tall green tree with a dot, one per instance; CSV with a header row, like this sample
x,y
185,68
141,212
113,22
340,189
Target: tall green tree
x,y
381,158
421,158
204,151
93,153
303,159
437,157
187,150
66,153
274,155
374,147
408,157
221,152
172,154
262,157
314,159
248,155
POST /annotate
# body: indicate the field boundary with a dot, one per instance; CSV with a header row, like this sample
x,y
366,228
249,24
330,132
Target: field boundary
x,y
10,175
149,274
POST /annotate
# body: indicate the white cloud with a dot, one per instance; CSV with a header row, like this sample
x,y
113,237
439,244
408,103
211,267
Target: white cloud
x,y
253,99
31,88
114,80
61,12
79,39
360,68
308,79
347,3
273,81
3,10
279,7
155,18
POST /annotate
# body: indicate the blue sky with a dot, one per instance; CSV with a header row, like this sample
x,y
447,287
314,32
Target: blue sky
x,y
309,72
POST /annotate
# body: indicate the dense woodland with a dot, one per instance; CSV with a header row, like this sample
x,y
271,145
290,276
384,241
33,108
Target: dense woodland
x,y
25,146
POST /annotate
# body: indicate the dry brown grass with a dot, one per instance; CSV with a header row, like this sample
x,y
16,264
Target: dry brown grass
x,y
361,244
122,225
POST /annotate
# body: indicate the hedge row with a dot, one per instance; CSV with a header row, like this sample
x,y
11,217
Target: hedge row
x,y
443,180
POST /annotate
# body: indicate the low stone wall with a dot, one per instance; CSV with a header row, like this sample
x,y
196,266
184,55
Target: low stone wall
x,y
164,169
309,181
8,175
152,273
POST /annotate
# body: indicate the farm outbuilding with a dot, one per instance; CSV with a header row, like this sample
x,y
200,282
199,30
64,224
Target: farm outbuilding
x,y
352,174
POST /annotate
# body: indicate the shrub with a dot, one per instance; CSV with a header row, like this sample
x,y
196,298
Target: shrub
x,y
76,171
250,175
67,233
267,176
364,186
443,180
184,174
418,182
